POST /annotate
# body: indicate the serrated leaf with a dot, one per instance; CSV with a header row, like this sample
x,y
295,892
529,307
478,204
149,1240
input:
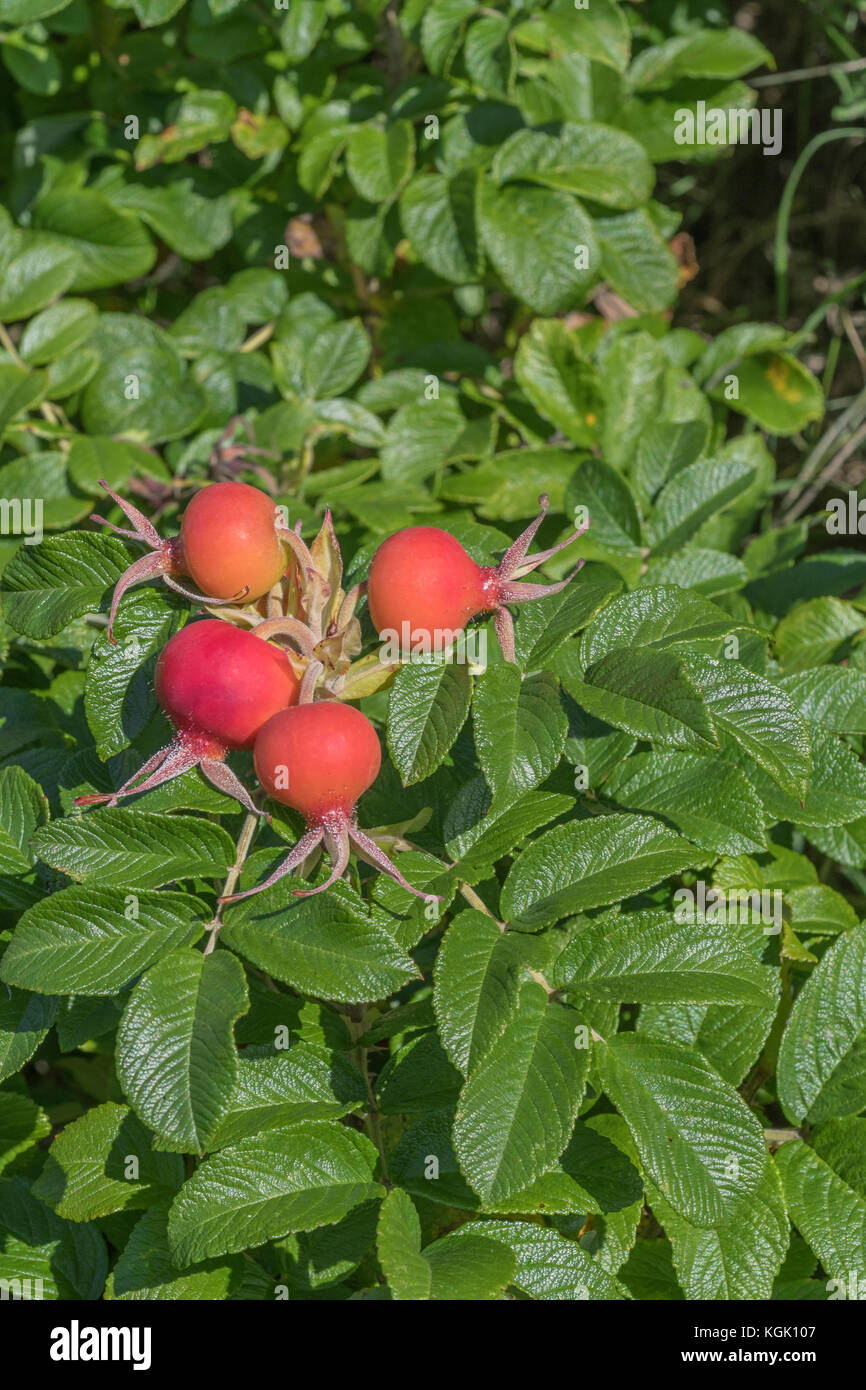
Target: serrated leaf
x,y
104,1162
591,864
707,799
591,160
145,1270
759,717
822,1059
294,1179
90,940
439,218
304,1082
649,694
517,1109
548,1266
176,1057
45,586
824,1209
477,980
24,1023
22,808
650,956
540,267
22,1125
738,1259
428,704
135,848
662,617
520,728
330,947
49,1258
545,624
697,1138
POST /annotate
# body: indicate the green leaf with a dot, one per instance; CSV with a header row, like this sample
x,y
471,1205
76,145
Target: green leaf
x,y
428,704
692,496
473,1269
562,385
539,266
817,632
723,53
93,940
824,1209
707,799
517,1109
544,625
477,979
24,1023
661,617
336,358
776,391
193,226
594,161
601,33
548,1265
330,947
134,847
478,831
379,161
176,1058
614,523
20,390
111,246
650,956
439,218
70,1261
832,696
22,809
637,261
759,717
738,1259
591,864
142,389
145,1269
729,1036
303,1083
293,1179
398,1244
418,1076
520,728
104,1162
697,1138
822,1060
40,271
119,699
650,694
22,1126
46,586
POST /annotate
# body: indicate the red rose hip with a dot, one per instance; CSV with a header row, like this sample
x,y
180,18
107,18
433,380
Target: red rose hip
x,y
319,759
218,684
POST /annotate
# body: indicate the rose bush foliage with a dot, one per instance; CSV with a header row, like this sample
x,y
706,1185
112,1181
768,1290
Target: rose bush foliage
x,y
380,235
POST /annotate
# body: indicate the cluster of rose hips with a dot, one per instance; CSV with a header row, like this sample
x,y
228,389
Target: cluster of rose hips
x,y
273,671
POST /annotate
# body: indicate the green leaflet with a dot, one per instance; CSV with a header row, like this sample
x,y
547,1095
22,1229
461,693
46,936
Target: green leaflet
x,y
822,1060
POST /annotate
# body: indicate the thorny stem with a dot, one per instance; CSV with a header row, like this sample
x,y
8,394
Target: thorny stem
x,y
245,839
372,1118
